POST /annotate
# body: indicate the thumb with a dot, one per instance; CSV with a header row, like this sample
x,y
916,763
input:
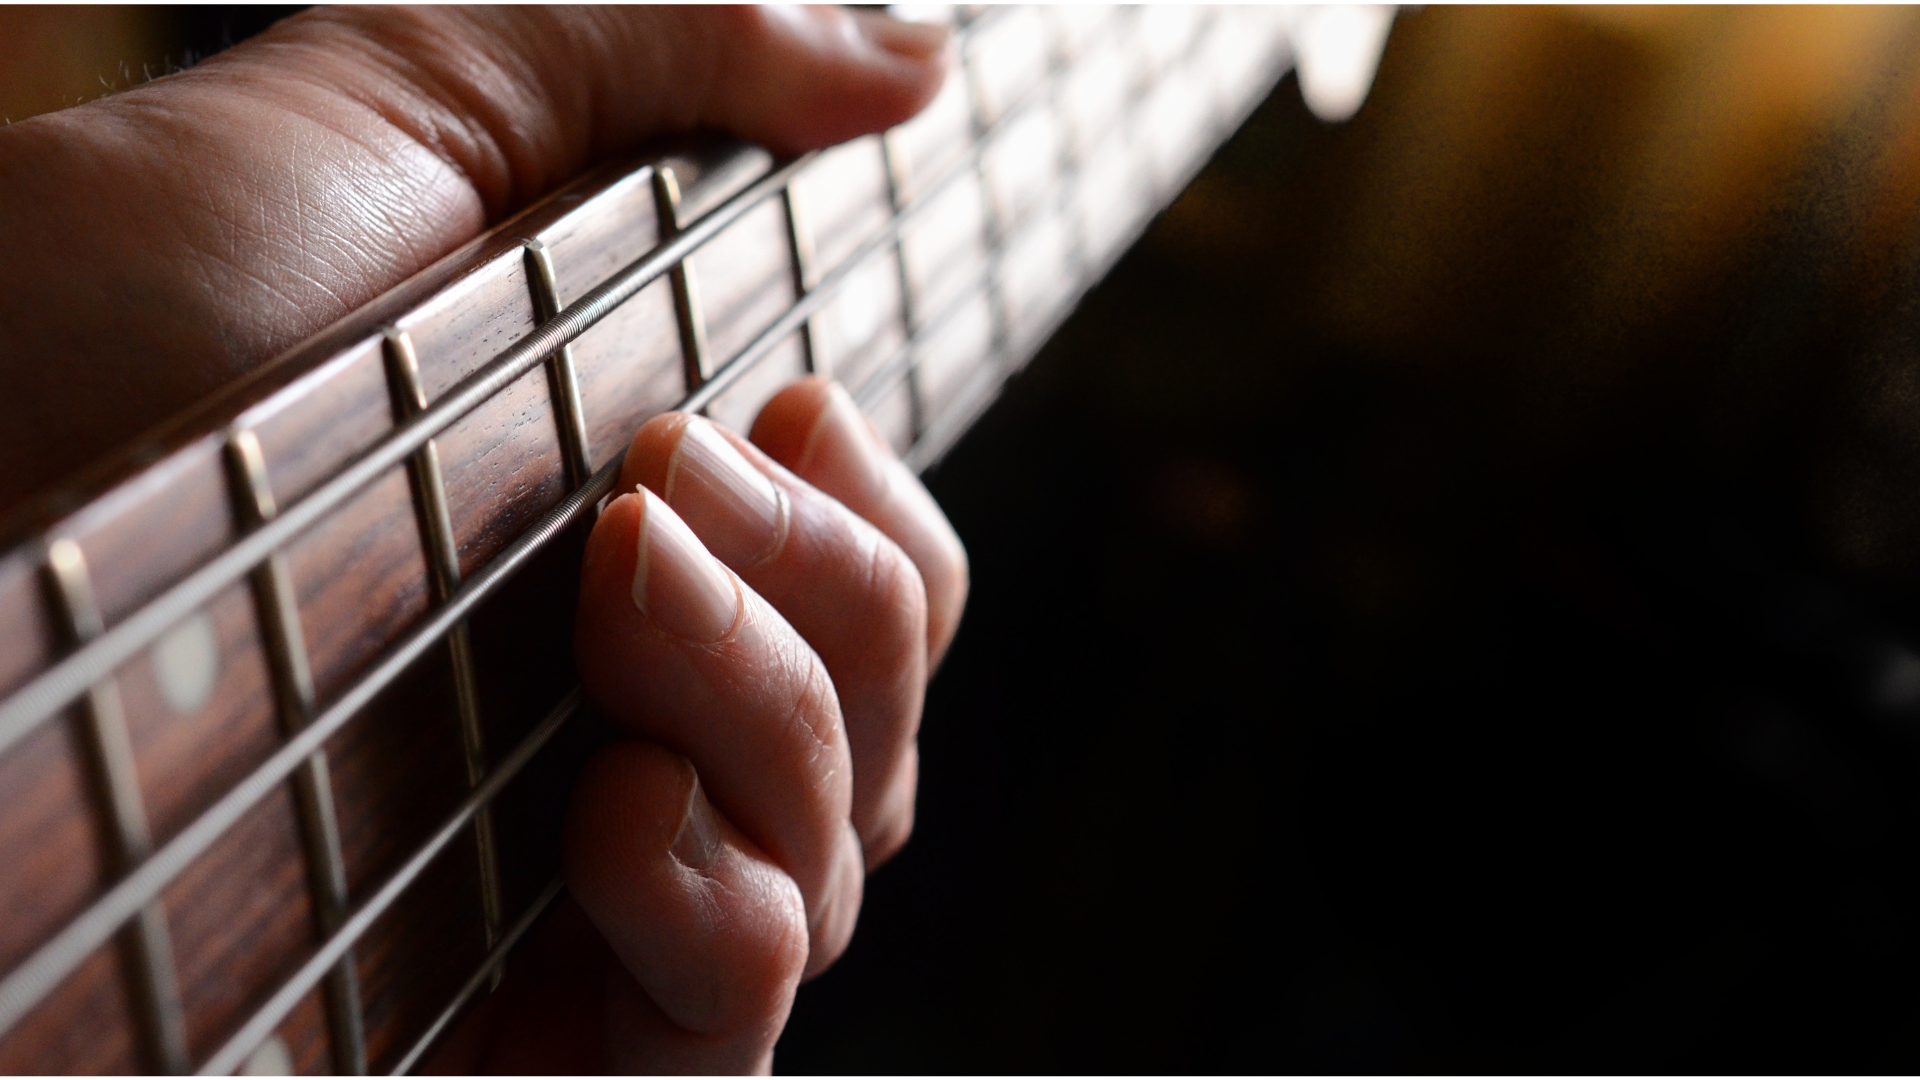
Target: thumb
x,y
519,99
211,219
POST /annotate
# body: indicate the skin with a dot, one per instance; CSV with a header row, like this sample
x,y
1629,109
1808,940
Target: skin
x,y
168,239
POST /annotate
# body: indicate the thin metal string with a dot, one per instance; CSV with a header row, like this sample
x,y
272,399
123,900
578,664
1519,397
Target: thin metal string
x,y
69,677
277,610
32,980
268,1016
485,973
148,943
443,577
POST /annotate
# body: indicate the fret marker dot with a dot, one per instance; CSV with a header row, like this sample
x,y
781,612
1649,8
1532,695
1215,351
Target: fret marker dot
x,y
270,1059
186,663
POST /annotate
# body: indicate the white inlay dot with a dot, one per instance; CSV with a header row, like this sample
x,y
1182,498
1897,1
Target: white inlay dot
x,y
187,663
269,1059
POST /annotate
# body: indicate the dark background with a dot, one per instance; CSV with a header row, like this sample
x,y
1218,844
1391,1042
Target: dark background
x,y
1331,700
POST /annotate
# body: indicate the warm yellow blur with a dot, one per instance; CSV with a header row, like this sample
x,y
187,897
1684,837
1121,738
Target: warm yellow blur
x,y
57,56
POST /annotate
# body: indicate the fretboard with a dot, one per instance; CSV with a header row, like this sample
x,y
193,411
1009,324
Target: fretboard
x,y
289,709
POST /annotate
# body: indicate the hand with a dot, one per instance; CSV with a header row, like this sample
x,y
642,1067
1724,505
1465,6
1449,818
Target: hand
x,y
758,621
163,241
166,240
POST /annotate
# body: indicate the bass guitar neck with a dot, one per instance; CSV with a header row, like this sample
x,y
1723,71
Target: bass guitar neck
x,y
287,711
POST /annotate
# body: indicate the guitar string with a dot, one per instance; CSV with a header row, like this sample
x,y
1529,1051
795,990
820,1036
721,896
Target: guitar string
x,y
262,1023
481,976
277,611
995,364
590,493
34,978
927,449
929,446
69,677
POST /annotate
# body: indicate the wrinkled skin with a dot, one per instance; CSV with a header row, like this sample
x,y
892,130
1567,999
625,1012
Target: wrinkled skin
x,y
765,669
164,240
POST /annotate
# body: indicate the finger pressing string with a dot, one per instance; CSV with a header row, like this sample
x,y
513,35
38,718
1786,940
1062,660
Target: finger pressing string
x,y
815,429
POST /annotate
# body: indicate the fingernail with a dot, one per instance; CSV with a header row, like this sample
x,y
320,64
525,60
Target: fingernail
x,y
676,583
697,844
727,502
843,453
907,40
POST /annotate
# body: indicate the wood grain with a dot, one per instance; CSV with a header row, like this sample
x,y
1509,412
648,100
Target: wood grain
x,y
988,268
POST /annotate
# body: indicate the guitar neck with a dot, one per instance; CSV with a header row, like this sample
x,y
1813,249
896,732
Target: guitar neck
x,y
290,713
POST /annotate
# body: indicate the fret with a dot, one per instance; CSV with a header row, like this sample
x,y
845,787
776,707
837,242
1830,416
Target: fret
x,y
263,1022
569,412
952,347
979,100
746,279
926,145
279,615
800,254
148,943
443,559
845,194
850,261
897,170
686,293
1022,161
1006,58
32,640
1096,92
1066,151
629,364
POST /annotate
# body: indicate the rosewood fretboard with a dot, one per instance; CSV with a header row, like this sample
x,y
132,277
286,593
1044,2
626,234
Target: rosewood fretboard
x,y
289,710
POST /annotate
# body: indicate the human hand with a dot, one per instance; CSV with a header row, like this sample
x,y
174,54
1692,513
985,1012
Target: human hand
x,y
163,241
757,620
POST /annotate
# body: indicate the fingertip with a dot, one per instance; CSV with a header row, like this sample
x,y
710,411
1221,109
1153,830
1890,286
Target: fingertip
x,y
650,452
808,77
607,566
787,421
912,41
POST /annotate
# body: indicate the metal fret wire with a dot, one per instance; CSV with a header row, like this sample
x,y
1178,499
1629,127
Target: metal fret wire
x,y
800,254
277,608
69,677
18,992
684,282
149,944
929,446
33,979
235,1050
569,412
443,576
896,174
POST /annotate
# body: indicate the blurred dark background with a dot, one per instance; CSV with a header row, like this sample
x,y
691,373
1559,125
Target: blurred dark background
x,y
1446,602
1443,603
